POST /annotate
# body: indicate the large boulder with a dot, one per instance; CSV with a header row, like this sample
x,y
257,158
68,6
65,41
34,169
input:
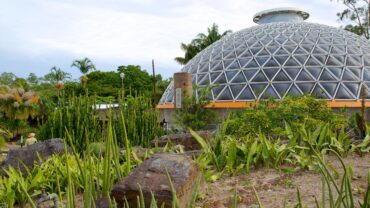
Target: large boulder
x,y
185,139
27,156
151,177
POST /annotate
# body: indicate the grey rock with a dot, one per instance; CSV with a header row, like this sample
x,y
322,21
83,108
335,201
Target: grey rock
x,y
27,156
151,177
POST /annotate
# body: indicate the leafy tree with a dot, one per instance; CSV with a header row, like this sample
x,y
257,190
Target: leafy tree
x,y
57,75
7,78
32,79
84,65
104,84
201,42
357,13
136,80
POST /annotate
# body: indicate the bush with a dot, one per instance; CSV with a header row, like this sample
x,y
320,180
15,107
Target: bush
x,y
193,114
270,116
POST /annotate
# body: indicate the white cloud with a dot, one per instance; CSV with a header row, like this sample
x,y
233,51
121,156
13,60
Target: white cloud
x,y
128,32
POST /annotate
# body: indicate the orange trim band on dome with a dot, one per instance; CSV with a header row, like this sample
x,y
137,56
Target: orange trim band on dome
x,y
243,104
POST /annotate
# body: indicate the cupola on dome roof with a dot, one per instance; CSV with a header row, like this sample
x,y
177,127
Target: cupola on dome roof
x,y
282,55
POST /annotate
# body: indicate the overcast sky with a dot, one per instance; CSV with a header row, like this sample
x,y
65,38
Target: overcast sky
x,y
38,34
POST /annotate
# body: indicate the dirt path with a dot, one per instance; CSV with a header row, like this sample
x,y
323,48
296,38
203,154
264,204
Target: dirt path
x,y
276,187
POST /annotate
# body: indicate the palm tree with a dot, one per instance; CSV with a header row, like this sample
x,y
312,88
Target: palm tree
x,y
57,75
201,42
84,65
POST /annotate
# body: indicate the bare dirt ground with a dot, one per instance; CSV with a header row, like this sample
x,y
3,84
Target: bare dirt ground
x,y
275,187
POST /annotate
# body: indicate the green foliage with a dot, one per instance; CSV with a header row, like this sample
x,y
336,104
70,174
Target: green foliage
x,y
201,42
194,114
270,116
84,65
356,14
233,155
136,81
56,75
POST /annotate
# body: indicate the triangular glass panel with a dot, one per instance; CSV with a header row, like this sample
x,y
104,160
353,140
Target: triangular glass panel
x,y
332,61
231,64
263,52
272,49
336,71
215,75
252,64
294,90
367,60
308,48
281,88
291,62
225,95
261,60
356,71
290,48
304,76
246,94
244,61
343,93
255,50
258,88
281,51
327,76
203,67
367,74
217,89
204,80
312,62
320,58
292,72
306,87
200,76
220,80
318,92
260,77
245,53
239,78
270,93
307,41
330,87
281,76
280,39
290,42
349,76
236,89
300,51
319,50
216,66
314,71
217,56
249,73
301,58
281,59
338,49
353,87
356,50
354,60
270,72
228,53
271,63
230,74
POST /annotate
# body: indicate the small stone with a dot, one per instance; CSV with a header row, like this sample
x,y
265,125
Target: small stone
x,y
186,140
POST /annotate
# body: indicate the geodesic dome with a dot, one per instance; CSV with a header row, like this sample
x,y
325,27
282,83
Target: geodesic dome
x,y
283,55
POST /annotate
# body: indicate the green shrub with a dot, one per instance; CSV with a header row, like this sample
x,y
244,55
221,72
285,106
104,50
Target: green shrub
x,y
193,114
270,116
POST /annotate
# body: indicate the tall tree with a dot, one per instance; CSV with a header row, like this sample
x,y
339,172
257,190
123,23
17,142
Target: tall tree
x,y
357,13
32,79
201,42
7,78
57,75
84,65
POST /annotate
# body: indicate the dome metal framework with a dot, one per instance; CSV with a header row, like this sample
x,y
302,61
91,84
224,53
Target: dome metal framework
x,y
280,58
